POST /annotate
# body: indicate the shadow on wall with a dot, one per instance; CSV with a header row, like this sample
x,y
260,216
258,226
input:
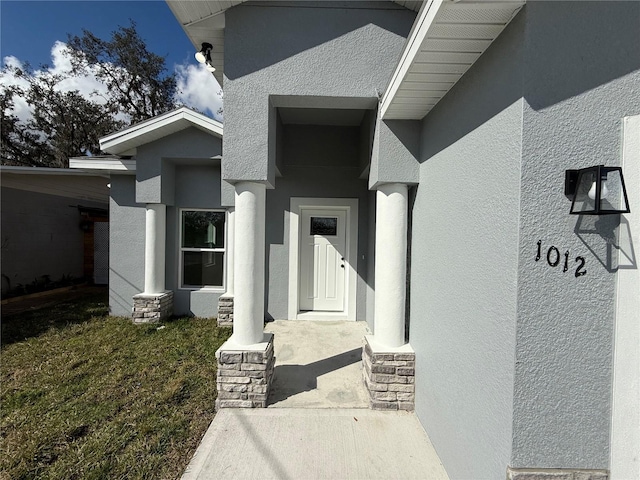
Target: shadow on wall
x,y
596,232
115,298
591,44
294,30
546,69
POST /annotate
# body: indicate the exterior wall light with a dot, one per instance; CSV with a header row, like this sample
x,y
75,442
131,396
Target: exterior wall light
x,y
204,56
597,190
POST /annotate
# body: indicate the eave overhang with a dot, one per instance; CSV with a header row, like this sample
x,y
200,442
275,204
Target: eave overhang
x,y
126,141
446,40
104,165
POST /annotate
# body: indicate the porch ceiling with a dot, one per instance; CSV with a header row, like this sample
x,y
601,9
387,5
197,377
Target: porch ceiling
x,y
203,21
446,40
321,116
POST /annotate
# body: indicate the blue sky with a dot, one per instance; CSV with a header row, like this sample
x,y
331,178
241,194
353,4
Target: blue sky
x,y
29,31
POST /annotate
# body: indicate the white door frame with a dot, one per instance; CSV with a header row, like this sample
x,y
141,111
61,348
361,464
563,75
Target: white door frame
x,y
350,205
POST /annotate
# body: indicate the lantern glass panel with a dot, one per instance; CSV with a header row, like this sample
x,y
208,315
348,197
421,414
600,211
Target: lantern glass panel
x,y
584,197
611,194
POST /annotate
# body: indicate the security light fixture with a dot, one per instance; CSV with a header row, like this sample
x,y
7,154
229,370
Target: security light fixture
x,y
204,56
597,190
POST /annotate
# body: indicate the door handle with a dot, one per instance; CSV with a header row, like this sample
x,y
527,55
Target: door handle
x,y
342,266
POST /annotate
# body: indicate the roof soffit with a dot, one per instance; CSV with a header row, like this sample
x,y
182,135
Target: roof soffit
x,y
447,39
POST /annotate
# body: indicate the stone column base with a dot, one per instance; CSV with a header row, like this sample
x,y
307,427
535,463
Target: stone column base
x,y
152,308
245,373
225,311
555,474
389,375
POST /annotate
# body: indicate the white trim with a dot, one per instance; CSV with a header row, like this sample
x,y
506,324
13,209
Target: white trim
x,y
350,205
625,411
217,289
48,171
144,132
104,164
414,42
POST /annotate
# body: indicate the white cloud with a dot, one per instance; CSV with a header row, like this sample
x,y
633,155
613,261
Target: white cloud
x,y
199,89
21,108
196,87
88,85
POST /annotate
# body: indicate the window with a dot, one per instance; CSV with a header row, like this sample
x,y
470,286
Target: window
x,y
326,226
202,248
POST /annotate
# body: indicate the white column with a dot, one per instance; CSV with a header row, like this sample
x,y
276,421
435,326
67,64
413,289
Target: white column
x,y
248,305
391,266
231,229
154,248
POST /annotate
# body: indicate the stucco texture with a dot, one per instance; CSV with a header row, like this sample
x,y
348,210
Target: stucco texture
x,y
514,355
580,79
464,264
335,52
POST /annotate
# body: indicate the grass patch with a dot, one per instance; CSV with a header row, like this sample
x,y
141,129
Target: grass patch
x,y
91,396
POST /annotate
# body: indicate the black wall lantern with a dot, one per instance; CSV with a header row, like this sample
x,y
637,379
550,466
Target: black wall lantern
x,y
596,190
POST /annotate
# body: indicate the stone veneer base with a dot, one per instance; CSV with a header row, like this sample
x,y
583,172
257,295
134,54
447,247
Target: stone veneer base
x,y
389,375
245,373
555,474
225,311
152,308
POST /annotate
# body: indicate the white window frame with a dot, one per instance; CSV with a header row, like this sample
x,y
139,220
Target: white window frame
x,y
182,249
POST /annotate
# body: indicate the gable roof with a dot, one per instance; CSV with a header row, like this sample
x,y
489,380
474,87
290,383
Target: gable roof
x,y
126,141
203,21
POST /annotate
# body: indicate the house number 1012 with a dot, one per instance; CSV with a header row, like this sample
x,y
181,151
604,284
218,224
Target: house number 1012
x,y
554,257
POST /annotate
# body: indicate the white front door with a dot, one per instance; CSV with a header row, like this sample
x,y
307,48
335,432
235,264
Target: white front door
x,y
323,268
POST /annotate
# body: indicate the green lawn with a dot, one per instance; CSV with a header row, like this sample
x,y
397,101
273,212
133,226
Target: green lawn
x,y
85,395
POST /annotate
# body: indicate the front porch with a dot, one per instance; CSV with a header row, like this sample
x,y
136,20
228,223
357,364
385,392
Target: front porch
x,y
318,364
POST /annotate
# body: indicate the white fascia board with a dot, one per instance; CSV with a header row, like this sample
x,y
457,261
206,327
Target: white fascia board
x,y
174,121
106,165
49,171
414,42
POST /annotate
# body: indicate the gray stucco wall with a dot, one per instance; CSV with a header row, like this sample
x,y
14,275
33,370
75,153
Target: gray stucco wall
x,y
514,355
41,235
126,245
464,264
581,76
155,162
335,52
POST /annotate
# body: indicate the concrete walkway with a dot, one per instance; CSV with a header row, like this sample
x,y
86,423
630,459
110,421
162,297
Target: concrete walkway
x,y
317,424
309,444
